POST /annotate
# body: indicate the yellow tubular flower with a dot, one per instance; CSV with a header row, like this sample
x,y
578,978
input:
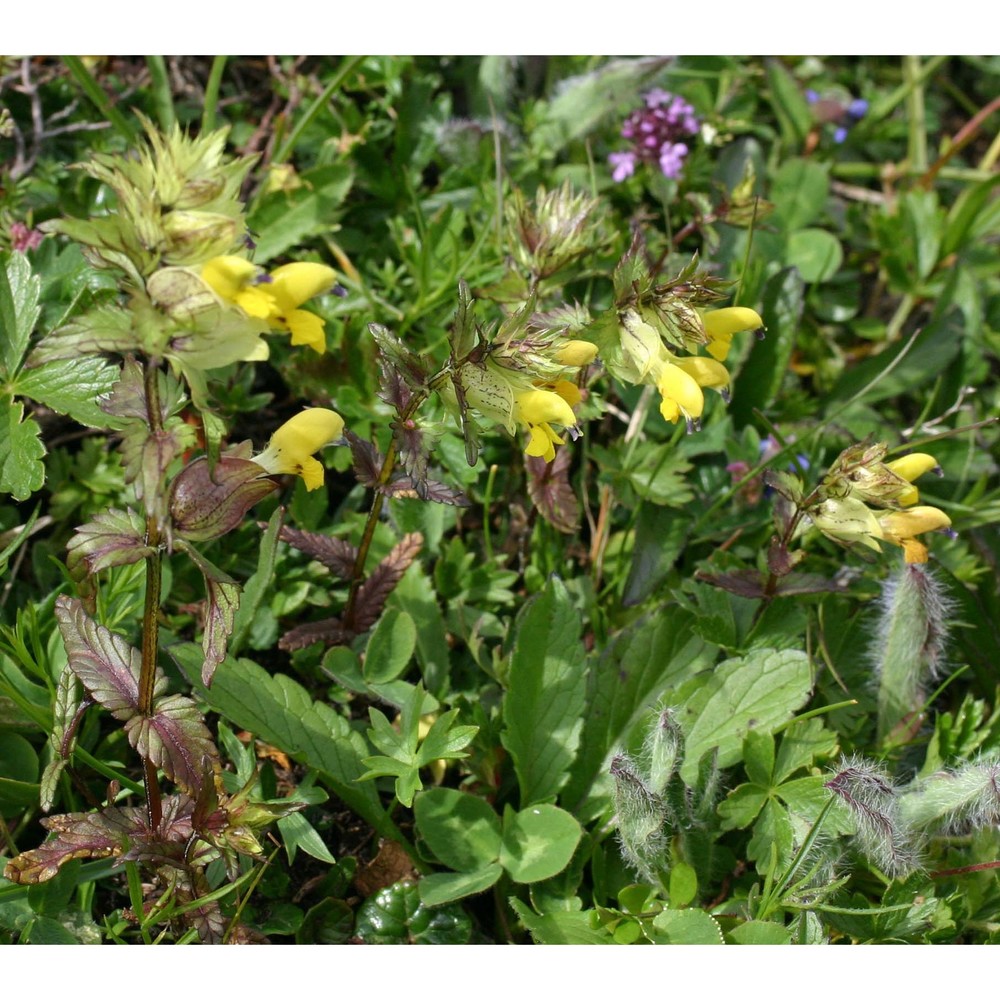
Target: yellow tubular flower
x,y
233,279
680,394
293,444
910,467
721,325
576,353
902,526
536,410
275,298
293,284
708,373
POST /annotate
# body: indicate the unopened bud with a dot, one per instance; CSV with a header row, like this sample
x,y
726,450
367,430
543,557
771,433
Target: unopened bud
x,y
193,237
206,504
642,815
871,797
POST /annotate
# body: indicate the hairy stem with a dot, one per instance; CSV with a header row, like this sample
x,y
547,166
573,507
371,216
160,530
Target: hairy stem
x,y
151,606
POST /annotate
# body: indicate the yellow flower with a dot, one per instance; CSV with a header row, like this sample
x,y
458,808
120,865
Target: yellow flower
x,y
576,353
293,444
293,284
274,298
722,324
909,467
902,526
536,410
680,394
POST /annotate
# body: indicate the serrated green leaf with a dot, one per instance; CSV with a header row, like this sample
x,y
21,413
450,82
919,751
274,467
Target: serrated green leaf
x,y
71,387
284,219
544,703
19,291
445,741
280,711
741,806
538,842
461,830
21,452
758,756
760,690
256,588
559,928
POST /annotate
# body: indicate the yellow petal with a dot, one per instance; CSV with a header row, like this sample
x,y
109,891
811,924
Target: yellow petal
x,y
542,406
543,442
910,467
733,319
900,524
293,284
576,353
706,372
680,394
721,324
308,329
256,301
292,445
228,275
568,390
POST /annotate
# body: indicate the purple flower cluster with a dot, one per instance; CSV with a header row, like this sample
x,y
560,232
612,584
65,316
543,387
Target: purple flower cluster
x,y
655,132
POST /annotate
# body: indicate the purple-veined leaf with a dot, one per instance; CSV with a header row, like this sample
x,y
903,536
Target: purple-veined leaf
x,y
111,538
334,553
551,492
330,631
107,666
375,591
220,616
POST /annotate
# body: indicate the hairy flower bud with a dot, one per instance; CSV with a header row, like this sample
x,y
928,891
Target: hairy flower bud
x,y
908,649
205,504
882,835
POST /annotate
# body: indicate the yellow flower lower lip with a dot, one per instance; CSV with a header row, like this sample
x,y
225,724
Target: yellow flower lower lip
x,y
293,444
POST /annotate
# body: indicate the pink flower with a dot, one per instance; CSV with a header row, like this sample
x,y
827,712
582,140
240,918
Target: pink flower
x,y
22,238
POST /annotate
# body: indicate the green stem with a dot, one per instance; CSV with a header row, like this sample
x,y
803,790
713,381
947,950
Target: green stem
x,y
917,137
314,109
212,93
388,465
163,100
96,93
